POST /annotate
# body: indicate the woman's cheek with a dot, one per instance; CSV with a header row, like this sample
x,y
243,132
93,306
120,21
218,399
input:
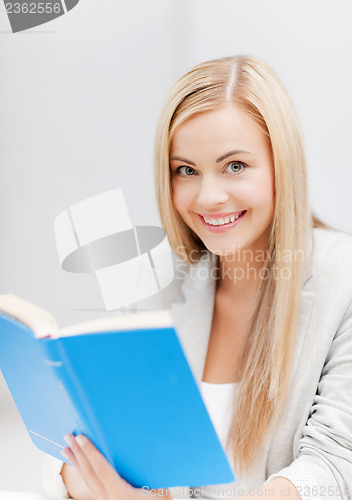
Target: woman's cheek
x,y
260,194
181,198
176,198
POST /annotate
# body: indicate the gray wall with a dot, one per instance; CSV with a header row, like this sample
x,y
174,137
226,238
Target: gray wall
x,y
79,100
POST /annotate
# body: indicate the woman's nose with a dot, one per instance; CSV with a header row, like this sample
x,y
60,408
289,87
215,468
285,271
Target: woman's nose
x,y
212,192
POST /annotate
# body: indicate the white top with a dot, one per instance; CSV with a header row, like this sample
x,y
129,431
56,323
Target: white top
x,y
219,400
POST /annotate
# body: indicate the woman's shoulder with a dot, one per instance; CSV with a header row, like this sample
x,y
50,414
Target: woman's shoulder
x,y
332,259
327,293
329,237
332,245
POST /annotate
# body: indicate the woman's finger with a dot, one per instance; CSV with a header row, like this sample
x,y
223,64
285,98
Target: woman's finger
x,y
85,469
67,453
103,469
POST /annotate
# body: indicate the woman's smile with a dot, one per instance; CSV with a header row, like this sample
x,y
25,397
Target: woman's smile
x,y
221,222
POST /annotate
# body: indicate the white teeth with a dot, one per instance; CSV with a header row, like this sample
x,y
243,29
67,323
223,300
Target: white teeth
x,y
221,221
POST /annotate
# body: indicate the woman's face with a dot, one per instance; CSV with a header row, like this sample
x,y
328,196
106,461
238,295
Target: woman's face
x,y
223,180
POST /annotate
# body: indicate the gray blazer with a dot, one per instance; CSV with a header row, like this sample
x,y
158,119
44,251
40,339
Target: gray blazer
x,y
312,444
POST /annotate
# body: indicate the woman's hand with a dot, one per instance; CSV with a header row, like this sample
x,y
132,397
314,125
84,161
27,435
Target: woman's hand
x,y
101,478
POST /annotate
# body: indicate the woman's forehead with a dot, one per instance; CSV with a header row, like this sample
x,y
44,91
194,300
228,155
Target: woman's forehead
x,y
227,128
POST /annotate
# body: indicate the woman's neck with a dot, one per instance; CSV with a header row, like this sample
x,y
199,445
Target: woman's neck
x,y
241,272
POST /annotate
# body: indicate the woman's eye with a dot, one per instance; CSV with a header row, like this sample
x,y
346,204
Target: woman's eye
x,y
185,171
235,167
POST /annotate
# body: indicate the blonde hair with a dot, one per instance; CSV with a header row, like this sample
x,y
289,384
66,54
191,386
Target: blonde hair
x,y
268,357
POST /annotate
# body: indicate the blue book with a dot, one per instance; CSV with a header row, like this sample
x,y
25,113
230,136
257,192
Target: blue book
x,y
123,381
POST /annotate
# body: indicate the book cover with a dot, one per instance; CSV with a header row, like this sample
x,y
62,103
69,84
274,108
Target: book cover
x,y
131,392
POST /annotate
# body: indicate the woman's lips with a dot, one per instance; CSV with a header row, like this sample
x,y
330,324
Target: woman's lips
x,y
222,227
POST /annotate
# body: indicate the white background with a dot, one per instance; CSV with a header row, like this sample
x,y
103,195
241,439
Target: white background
x,y
79,101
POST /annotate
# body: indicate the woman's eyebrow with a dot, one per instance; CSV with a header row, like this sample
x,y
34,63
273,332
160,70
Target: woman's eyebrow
x,y
182,159
221,158
230,153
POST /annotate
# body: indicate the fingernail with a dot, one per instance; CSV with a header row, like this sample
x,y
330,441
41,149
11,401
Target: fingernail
x,y
69,438
81,440
64,453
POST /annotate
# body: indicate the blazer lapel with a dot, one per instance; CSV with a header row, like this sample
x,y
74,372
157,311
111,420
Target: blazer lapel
x,y
307,301
193,317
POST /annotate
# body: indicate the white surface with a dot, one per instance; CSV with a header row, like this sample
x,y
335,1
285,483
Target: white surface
x,y
21,495
20,460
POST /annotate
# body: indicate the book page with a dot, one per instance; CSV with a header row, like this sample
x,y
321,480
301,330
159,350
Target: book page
x,y
128,321
40,321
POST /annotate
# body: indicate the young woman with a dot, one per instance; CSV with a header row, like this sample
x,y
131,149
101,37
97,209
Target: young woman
x,y
267,315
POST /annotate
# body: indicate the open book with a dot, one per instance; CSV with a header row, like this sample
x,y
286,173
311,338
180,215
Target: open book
x,y
123,381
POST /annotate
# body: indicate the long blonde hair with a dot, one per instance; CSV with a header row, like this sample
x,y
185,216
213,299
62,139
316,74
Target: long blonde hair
x,y
268,357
